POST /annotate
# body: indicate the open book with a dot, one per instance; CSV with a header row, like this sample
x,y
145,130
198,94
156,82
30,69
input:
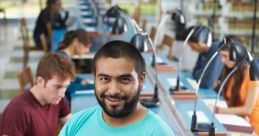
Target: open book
x,y
234,123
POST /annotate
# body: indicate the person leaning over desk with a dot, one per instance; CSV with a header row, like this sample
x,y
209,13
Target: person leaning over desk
x,y
48,19
38,111
119,74
240,93
75,42
201,42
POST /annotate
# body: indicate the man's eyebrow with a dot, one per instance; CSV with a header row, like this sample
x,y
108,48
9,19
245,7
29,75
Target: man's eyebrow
x,y
102,74
125,75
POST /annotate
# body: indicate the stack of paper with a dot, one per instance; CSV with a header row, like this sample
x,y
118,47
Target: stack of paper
x,y
234,123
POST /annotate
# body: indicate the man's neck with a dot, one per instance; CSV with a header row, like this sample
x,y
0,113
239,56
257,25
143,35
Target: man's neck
x,y
36,93
135,116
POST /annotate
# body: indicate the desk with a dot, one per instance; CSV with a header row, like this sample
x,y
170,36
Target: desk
x,y
183,109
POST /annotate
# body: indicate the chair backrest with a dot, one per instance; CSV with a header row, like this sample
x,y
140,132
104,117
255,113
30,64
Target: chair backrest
x,y
24,32
25,79
152,33
167,40
144,24
137,14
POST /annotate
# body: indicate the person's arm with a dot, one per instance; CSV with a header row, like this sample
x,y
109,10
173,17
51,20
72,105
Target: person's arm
x,y
212,74
50,32
246,109
63,120
64,113
44,43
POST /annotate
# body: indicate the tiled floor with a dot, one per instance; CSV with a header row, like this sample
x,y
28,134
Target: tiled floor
x,y
11,54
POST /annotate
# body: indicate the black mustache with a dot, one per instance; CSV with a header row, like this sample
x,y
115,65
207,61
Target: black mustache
x,y
114,96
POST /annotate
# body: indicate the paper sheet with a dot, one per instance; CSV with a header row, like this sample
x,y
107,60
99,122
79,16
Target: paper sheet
x,y
88,20
85,13
201,117
84,92
193,83
220,103
159,60
231,119
84,56
83,7
172,81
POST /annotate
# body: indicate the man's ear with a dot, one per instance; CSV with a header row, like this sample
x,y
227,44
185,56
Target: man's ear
x,y
142,79
40,81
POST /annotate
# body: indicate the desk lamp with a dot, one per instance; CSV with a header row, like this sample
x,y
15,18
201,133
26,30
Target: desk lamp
x,y
142,41
119,26
179,21
240,55
198,33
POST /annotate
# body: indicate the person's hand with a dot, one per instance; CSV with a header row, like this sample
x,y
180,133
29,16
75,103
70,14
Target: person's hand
x,y
85,82
216,84
211,107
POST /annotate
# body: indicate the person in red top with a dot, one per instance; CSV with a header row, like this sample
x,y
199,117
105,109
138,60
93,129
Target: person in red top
x,y
240,93
37,111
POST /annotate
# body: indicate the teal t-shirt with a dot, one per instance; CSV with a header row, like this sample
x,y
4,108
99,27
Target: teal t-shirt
x,y
90,122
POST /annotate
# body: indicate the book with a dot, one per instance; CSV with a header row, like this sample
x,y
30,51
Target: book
x,y
235,123
165,68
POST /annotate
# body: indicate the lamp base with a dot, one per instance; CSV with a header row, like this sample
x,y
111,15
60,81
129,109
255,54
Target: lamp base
x,y
204,127
176,89
149,103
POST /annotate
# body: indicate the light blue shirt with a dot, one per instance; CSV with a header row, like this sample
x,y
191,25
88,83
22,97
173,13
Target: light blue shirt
x,y
90,122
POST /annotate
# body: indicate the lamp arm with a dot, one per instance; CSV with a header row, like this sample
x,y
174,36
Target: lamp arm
x,y
202,75
220,90
154,59
181,54
204,70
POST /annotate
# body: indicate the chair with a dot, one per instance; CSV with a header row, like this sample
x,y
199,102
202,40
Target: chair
x,y
167,40
25,79
27,47
144,24
152,33
137,14
2,10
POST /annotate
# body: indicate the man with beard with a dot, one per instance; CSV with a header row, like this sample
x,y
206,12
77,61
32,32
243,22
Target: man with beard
x,y
119,74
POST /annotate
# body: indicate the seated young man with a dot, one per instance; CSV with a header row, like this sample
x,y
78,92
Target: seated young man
x,y
38,111
201,41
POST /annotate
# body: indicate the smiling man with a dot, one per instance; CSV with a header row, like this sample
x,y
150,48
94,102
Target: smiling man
x,y
37,111
119,74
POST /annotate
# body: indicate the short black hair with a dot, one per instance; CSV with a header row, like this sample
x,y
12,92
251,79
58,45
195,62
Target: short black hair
x,y
121,49
201,33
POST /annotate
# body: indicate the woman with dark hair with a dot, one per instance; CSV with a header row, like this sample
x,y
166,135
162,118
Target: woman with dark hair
x,y
240,93
75,42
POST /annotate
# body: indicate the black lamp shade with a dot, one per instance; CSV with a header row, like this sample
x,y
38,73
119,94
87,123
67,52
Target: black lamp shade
x,y
254,70
119,26
114,11
201,34
180,24
237,52
178,17
140,40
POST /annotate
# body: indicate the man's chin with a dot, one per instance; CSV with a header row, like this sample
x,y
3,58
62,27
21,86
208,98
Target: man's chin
x,y
55,102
